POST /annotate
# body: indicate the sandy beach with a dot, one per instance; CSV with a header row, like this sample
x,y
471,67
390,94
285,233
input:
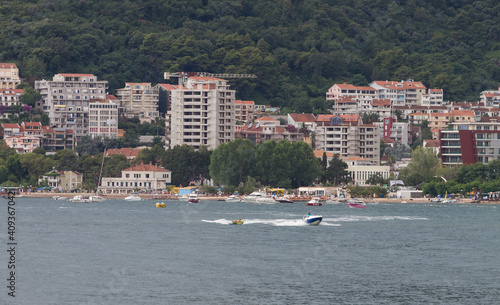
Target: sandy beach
x,y
172,197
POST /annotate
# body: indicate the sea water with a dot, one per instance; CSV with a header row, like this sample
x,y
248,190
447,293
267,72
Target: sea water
x,y
119,252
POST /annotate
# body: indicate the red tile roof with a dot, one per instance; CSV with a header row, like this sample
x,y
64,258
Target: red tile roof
x,y
239,102
7,125
319,154
8,66
352,87
381,102
146,167
431,143
302,117
128,152
265,119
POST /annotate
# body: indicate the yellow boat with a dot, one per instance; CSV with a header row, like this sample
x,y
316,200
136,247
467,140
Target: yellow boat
x,y
160,205
237,222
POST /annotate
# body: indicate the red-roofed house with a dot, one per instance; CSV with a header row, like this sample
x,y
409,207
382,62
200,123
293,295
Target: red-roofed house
x,y
258,133
130,153
23,144
148,177
298,120
31,129
9,76
8,130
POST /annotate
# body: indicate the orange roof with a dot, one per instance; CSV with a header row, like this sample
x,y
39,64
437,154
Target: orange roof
x,y
302,117
111,97
436,90
239,102
8,66
381,102
350,117
142,84
319,154
32,124
265,118
128,152
431,143
146,167
171,87
325,117
462,112
352,87
7,125
205,78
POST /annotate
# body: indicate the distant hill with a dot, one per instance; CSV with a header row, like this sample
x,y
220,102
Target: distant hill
x,y
297,48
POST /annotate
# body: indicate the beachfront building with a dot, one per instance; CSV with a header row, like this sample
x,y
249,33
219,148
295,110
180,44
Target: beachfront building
x,y
360,170
66,100
140,100
103,118
9,76
202,113
347,136
470,142
64,181
142,177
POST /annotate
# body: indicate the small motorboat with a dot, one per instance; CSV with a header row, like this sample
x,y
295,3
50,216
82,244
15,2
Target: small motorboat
x,y
193,198
315,201
80,199
233,198
357,204
160,204
59,198
237,222
284,200
96,198
312,220
132,198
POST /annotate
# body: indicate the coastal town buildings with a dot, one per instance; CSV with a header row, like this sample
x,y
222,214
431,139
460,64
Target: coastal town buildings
x,y
64,181
267,128
9,76
66,100
398,131
348,136
103,118
56,139
140,100
23,144
146,177
202,113
244,111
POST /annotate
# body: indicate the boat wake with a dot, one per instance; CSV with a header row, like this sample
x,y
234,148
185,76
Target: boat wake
x,y
353,218
273,222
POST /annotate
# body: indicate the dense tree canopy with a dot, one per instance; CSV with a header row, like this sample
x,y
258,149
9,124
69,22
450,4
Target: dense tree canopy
x,y
297,48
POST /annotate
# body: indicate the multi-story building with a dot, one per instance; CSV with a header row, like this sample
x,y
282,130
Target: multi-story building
x,y
202,113
343,93
63,180
103,119
56,139
31,129
397,131
10,97
244,111
66,99
382,107
267,129
403,93
441,120
348,137
9,130
299,120
9,76
23,144
470,142
361,170
140,100
146,177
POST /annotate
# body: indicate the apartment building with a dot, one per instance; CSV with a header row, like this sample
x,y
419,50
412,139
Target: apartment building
x,y
470,142
441,120
9,130
347,136
10,97
343,93
140,100
9,76
299,120
265,129
202,113
23,144
103,119
56,139
398,131
66,100
244,111
400,93
31,129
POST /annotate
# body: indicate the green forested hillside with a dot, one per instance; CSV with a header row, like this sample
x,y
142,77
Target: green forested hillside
x,y
297,48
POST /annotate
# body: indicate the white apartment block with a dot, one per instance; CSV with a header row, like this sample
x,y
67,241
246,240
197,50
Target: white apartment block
x,y
103,119
362,95
244,111
10,97
346,136
9,76
140,100
401,93
66,100
397,131
202,113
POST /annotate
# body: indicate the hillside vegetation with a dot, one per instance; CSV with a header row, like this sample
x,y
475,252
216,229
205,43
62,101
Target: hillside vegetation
x,y
297,48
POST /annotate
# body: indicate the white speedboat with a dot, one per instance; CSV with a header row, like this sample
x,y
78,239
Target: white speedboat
x,y
266,200
193,198
359,204
59,198
80,199
315,201
96,198
252,198
132,198
333,200
184,198
312,220
233,198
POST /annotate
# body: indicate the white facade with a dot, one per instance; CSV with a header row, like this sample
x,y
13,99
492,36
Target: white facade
x,y
360,174
9,76
103,119
202,113
140,177
66,99
140,100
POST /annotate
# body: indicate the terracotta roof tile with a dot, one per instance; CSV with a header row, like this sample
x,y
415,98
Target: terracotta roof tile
x,y
146,167
303,117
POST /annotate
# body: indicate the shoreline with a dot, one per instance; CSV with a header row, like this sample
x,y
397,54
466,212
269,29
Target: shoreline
x,y
295,199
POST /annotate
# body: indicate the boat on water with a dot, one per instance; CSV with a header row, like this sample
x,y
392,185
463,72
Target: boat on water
x,y
59,198
359,204
184,198
237,222
334,200
404,201
96,198
315,201
161,205
312,220
80,199
132,198
193,198
233,198
258,197
284,200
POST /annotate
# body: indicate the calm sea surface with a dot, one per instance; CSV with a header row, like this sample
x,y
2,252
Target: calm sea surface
x,y
120,252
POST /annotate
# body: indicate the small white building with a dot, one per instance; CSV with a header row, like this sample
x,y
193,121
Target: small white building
x,y
146,177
